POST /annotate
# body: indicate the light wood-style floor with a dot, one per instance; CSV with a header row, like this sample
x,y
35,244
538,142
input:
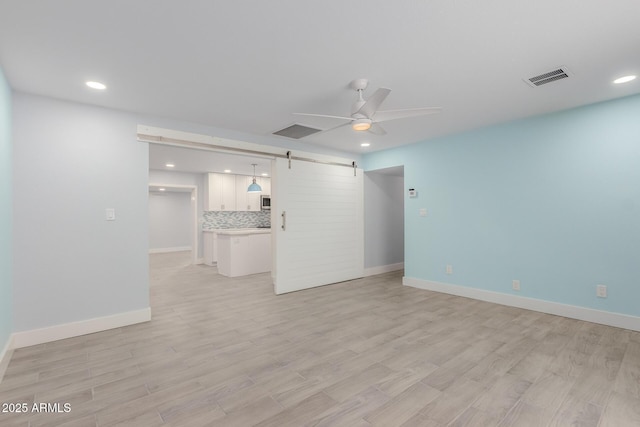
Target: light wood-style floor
x,y
228,352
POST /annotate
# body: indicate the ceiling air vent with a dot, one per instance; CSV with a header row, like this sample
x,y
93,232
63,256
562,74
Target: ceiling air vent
x,y
296,131
551,76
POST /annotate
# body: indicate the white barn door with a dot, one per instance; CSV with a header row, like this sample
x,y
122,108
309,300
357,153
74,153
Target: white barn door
x,y
317,224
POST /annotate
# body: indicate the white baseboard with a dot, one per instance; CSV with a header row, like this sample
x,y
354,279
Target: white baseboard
x,y
608,318
83,327
5,356
165,250
200,261
372,271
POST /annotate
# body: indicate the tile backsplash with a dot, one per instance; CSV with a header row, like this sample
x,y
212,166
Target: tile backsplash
x,y
212,220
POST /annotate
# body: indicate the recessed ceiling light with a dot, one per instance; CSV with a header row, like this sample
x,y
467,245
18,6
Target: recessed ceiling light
x,y
170,165
365,144
265,174
624,79
161,189
97,85
227,171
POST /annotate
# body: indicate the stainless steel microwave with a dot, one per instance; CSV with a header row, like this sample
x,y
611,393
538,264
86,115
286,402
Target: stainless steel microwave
x,y
265,202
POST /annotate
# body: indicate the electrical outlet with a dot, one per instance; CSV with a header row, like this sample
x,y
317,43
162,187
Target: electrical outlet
x,y
423,212
515,284
601,291
449,269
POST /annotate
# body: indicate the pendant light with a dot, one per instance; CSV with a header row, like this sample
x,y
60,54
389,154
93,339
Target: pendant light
x,y
254,188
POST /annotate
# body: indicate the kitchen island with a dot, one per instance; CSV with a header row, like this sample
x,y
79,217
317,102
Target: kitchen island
x,y
243,251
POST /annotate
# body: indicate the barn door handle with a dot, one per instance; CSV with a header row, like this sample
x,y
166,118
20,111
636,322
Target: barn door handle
x,y
284,220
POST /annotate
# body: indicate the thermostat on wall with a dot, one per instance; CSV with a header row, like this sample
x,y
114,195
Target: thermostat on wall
x,y
413,192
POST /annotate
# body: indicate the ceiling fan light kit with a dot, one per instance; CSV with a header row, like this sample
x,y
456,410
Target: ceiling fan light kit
x,y
361,124
365,115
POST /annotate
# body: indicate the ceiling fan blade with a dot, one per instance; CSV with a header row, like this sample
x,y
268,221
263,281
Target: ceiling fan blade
x,y
324,115
335,127
372,104
376,129
383,116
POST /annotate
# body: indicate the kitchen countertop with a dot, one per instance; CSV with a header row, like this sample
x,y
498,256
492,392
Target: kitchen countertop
x,y
241,231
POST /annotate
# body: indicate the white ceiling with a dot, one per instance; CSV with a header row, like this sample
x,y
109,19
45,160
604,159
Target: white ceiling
x,y
392,171
248,65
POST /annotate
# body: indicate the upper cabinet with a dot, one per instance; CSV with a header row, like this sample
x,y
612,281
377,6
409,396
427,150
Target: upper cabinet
x,y
243,199
250,201
227,192
265,183
220,194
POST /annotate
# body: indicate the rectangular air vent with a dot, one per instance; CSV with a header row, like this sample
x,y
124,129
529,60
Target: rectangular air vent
x,y
548,77
296,131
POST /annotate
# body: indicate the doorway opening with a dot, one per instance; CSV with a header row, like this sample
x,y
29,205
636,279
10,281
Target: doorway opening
x,y
384,191
312,225
186,169
173,219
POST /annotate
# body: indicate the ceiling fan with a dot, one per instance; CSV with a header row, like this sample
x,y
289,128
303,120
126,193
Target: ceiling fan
x,y
365,115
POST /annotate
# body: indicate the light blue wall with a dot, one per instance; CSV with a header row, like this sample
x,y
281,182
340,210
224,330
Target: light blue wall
x,y
6,208
553,201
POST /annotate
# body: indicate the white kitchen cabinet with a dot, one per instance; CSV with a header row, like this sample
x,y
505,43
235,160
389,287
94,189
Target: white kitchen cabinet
x,y
226,192
249,201
243,199
243,252
220,194
265,183
253,199
210,246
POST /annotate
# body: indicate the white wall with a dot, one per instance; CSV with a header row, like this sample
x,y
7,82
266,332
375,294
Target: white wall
x,y
71,162
170,220
6,221
383,219
182,178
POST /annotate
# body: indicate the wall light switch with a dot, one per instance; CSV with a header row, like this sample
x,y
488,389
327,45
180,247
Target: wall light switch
x,y
110,214
413,193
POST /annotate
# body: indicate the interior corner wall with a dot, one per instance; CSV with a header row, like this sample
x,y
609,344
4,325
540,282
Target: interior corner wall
x,y
70,163
6,217
552,201
384,220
